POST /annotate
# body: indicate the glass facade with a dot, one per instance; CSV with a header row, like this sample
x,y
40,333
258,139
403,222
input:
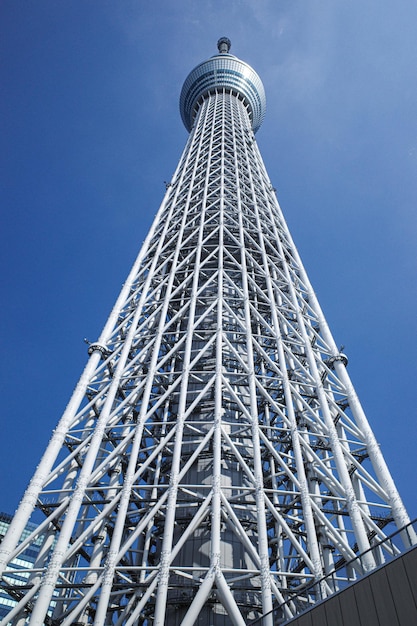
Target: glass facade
x,y
21,565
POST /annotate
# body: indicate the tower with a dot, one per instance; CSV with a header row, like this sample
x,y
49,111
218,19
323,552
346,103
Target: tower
x,y
214,460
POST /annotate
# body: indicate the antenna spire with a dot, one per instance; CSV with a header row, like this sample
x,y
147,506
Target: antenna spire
x,y
224,45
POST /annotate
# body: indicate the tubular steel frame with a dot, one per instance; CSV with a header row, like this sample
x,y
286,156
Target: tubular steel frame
x,y
214,457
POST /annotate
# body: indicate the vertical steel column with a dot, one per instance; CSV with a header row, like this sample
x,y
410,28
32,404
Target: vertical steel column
x,y
161,599
295,435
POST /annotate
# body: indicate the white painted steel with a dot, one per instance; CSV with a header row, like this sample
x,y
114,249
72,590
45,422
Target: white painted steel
x,y
214,458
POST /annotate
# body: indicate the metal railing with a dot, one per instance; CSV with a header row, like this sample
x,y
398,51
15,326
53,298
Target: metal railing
x,y
344,575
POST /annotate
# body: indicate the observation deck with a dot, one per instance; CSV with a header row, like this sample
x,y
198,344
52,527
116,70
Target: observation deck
x,y
223,71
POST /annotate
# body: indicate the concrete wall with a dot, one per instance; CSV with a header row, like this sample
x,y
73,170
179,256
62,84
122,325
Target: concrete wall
x,y
387,597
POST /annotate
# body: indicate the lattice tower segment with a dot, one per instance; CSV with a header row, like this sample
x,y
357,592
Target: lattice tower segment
x,y
214,458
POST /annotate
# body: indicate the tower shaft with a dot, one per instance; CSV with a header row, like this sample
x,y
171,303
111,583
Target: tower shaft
x,y
214,458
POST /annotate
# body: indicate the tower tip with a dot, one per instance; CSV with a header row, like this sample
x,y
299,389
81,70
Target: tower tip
x,y
223,45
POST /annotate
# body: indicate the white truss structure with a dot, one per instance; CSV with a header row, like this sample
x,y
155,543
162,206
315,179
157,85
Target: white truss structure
x,y
214,458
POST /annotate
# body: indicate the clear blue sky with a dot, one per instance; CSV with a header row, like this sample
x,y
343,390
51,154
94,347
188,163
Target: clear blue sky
x,y
90,129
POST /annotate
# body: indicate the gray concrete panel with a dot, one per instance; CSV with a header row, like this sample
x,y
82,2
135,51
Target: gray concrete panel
x,y
305,620
410,564
402,592
384,602
319,617
333,612
349,608
365,603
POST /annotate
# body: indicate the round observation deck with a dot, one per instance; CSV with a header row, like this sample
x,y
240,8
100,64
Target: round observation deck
x,y
223,71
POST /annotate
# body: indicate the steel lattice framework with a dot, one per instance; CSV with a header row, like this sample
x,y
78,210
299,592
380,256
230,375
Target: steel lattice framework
x,y
214,457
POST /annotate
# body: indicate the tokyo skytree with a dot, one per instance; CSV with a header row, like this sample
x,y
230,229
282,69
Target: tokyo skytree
x,y
213,464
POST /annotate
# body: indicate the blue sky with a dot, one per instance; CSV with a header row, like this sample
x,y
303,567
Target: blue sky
x,y
90,129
